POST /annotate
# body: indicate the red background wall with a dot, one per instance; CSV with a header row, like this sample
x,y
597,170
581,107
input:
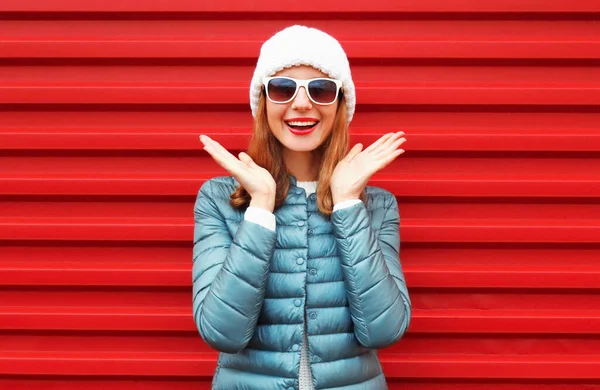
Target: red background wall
x,y
101,104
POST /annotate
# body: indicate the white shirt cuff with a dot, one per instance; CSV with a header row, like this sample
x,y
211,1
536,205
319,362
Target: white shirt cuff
x,y
260,216
346,203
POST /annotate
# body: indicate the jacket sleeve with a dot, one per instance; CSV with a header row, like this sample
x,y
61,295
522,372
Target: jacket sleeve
x,y
229,275
376,289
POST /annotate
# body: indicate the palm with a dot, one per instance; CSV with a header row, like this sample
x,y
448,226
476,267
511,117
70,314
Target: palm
x,y
255,179
353,172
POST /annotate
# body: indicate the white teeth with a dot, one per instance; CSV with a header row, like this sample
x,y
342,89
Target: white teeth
x,y
298,123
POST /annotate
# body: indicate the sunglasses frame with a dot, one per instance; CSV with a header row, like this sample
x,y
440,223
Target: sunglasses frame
x,y
302,83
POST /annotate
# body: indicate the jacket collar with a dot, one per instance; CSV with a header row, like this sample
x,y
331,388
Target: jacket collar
x,y
293,181
293,185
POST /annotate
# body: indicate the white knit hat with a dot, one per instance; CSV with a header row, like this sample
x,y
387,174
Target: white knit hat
x,y
301,45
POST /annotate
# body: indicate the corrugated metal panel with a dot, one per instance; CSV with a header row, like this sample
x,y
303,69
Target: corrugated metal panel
x,y
100,107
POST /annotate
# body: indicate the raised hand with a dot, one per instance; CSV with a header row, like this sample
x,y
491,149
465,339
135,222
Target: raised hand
x,y
352,173
256,180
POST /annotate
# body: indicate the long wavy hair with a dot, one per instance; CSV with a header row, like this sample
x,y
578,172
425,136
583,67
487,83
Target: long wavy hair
x,y
266,151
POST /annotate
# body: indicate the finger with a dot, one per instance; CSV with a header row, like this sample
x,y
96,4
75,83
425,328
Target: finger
x,y
385,162
234,169
385,151
386,144
206,140
218,146
246,159
381,139
225,160
216,155
209,141
219,151
354,152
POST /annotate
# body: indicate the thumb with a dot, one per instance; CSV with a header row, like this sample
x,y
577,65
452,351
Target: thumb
x,y
354,151
247,160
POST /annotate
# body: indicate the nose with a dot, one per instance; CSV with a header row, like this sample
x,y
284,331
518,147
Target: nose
x,y
301,101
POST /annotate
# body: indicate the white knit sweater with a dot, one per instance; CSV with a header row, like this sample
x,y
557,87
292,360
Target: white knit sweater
x,y
267,219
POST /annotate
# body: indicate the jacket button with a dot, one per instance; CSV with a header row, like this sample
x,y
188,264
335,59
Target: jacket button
x,y
313,315
295,347
300,223
298,302
310,231
300,261
313,196
313,271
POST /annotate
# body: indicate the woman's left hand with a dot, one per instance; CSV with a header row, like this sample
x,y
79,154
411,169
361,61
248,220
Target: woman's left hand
x,y
353,172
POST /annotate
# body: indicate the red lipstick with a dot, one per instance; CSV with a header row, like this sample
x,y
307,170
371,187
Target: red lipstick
x,y
304,131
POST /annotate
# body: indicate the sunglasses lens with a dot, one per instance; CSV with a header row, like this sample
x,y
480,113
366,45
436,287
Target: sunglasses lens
x,y
281,90
322,91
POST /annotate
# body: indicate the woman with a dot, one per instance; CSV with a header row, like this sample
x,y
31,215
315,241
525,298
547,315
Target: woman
x,y
296,277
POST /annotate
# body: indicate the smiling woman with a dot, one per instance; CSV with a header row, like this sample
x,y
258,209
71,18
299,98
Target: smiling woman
x,y
297,276
300,116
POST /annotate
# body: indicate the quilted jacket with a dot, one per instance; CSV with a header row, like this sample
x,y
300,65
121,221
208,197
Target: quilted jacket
x,y
253,289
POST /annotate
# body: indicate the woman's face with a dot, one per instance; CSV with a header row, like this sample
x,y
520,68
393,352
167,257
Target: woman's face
x,y
301,109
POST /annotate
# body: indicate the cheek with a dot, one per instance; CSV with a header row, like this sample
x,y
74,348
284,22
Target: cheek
x,y
274,114
328,117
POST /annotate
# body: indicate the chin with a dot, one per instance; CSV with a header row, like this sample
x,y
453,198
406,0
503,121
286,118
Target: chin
x,y
301,148
301,144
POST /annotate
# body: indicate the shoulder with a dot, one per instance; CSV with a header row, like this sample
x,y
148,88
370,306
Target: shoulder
x,y
219,187
215,194
378,197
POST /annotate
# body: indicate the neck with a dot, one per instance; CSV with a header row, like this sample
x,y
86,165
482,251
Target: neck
x,y
303,165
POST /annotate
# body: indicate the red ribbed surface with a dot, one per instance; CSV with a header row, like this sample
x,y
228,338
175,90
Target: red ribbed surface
x,y
101,104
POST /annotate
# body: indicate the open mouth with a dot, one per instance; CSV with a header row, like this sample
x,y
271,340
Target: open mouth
x,y
301,127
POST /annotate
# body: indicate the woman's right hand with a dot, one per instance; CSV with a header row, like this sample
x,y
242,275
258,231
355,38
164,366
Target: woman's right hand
x,y
256,180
